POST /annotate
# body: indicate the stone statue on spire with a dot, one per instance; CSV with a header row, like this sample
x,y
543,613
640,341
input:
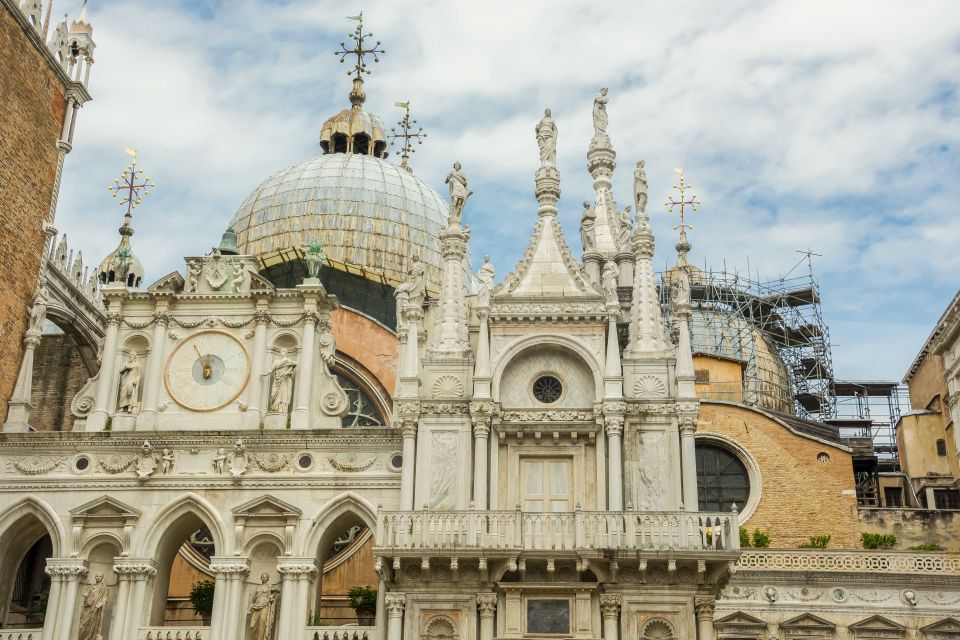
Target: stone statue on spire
x,y
547,140
640,188
600,119
459,193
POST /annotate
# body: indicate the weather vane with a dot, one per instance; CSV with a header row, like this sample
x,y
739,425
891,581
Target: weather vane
x,y
358,37
131,184
407,133
683,203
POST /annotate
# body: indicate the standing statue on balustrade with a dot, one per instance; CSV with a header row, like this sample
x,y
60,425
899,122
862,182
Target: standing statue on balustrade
x,y
547,140
281,391
458,193
600,119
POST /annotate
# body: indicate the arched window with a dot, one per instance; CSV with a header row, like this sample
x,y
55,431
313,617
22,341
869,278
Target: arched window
x,y
363,410
722,479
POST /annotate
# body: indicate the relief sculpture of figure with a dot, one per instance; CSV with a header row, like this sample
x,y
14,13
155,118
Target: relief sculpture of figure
x,y
91,615
458,193
38,312
609,278
600,120
263,609
624,227
587,228
129,384
281,391
485,279
547,140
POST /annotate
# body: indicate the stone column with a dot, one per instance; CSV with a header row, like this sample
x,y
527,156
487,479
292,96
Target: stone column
x,y
251,419
131,609
228,613
486,608
481,434
407,478
614,430
293,616
106,388
688,463
481,370
19,406
450,337
69,572
704,607
154,379
610,611
301,415
395,603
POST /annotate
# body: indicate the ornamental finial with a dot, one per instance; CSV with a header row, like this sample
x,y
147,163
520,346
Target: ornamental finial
x,y
357,96
122,265
407,133
685,200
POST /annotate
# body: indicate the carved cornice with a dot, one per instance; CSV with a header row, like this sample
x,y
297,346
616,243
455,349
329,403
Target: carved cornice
x,y
445,408
556,415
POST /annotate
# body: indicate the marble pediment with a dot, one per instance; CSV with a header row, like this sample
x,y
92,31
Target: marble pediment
x,y
740,623
807,626
876,627
266,507
947,629
105,508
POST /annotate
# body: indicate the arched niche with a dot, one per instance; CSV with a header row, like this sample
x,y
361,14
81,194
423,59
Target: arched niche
x,y
521,380
26,543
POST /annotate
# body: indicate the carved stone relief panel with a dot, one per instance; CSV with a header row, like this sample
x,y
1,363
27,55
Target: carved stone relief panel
x,y
444,470
651,472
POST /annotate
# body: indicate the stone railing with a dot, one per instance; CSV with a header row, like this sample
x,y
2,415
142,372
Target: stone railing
x,y
21,634
849,561
574,530
173,633
341,633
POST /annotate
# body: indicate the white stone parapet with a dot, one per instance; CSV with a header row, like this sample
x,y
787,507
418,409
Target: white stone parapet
x,y
573,530
173,633
849,561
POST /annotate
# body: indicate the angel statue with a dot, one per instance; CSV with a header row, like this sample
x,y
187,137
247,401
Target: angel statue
x,y
281,391
458,193
91,615
600,120
547,140
263,609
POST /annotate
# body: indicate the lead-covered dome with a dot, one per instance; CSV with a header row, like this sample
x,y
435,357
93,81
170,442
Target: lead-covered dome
x,y
365,211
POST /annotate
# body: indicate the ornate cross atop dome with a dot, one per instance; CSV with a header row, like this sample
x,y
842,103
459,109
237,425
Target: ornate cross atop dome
x,y
122,265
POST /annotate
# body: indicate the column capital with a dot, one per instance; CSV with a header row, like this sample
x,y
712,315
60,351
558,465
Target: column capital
x,y
295,568
66,568
113,318
688,425
230,567
486,604
481,427
704,606
395,604
613,426
610,604
134,568
408,429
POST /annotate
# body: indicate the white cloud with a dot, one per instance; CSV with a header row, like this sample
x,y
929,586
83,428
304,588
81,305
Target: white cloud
x,y
821,124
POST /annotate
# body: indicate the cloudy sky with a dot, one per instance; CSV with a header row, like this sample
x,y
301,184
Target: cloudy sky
x,y
828,125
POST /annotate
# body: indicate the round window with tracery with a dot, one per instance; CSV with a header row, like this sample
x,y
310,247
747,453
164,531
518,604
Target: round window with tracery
x,y
547,389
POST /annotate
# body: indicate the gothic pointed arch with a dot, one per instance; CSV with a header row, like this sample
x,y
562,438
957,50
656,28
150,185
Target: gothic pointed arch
x,y
189,504
347,505
40,511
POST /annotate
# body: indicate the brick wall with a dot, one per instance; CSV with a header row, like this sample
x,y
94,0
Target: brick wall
x,y
801,496
31,116
58,374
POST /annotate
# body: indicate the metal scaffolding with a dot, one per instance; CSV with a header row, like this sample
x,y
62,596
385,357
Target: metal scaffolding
x,y
769,327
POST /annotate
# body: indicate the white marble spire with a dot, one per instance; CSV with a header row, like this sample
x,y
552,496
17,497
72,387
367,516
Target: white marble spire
x,y
646,324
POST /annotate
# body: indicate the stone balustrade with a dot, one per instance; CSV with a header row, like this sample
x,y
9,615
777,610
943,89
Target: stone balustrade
x,y
575,530
849,561
347,632
173,633
21,634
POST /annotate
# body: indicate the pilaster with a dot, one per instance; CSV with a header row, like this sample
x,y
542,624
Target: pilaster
x,y
704,606
395,603
19,405
450,338
610,604
486,609
147,418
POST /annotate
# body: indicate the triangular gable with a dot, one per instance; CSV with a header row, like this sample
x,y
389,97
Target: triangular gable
x,y
266,507
740,621
170,283
948,628
877,627
807,621
104,507
547,269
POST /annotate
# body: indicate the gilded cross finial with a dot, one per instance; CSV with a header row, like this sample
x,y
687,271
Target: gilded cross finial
x,y
132,185
407,134
359,50
683,202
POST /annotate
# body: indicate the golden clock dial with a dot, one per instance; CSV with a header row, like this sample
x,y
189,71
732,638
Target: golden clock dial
x,y
207,371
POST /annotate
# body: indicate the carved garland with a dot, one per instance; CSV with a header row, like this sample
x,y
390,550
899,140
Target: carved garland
x,y
272,462
35,466
351,463
116,464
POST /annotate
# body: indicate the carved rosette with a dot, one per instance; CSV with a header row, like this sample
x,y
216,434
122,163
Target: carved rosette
x,y
486,604
395,604
610,604
704,607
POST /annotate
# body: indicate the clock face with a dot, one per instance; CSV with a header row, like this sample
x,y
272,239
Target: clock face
x,y
207,371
